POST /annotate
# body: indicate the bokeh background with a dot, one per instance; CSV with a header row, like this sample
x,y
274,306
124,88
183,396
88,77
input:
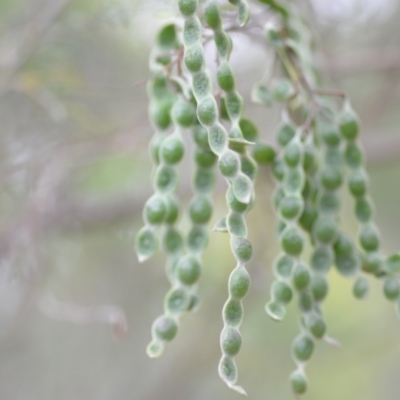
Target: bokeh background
x,y
75,172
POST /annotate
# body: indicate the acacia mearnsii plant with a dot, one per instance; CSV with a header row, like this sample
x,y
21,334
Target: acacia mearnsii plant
x,y
318,152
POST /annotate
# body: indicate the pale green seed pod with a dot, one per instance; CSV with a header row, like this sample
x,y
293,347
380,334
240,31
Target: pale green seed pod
x,y
303,347
361,288
298,382
146,244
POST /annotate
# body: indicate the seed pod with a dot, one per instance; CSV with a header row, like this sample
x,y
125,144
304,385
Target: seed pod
x,y
166,179
292,154
321,259
308,217
197,239
293,181
369,237
331,178
298,382
363,209
358,183
242,188
187,7
285,134
212,16
303,347
200,210
325,229
172,241
275,310
146,244
316,326
281,292
263,154
207,111
329,203
183,113
291,207
177,300
194,58
360,288
391,288
249,130
234,204
204,181
348,265
232,313
292,241
231,341
301,277
225,78
283,266
372,262
155,210
172,150
188,270
236,224
319,287
348,122
228,163
239,283
305,302
205,158
165,328
392,263
242,249
353,155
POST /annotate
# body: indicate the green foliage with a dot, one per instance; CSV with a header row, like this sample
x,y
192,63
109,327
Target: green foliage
x,y
319,152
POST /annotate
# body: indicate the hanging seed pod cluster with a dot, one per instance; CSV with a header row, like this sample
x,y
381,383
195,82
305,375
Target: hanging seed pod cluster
x,y
318,153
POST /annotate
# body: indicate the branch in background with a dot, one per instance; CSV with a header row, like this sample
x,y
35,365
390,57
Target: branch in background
x,y
78,314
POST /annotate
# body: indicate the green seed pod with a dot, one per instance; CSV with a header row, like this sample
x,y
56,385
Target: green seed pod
x,y
166,179
358,183
348,265
231,341
227,369
172,241
200,210
204,181
333,157
353,155
248,167
200,136
236,224
319,287
278,169
330,136
348,123
188,270
207,111
391,288
292,241
316,326
372,263
234,105
283,266
229,163
172,210
292,154
239,283
291,207
249,130
177,300
321,259
305,301
242,188
293,181
234,204
194,58
155,210
309,159
275,310
242,249
197,239
301,277
217,139
212,16
343,245
392,263
160,114
363,209
331,178
263,153
205,158
329,203
232,313
165,328
281,292
369,237
303,347
192,32
154,148
360,288
298,382
285,134
308,217
225,78
172,150
325,229
223,44
187,7
201,88
282,90
146,243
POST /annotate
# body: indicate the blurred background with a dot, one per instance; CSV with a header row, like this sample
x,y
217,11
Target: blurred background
x,y
75,305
